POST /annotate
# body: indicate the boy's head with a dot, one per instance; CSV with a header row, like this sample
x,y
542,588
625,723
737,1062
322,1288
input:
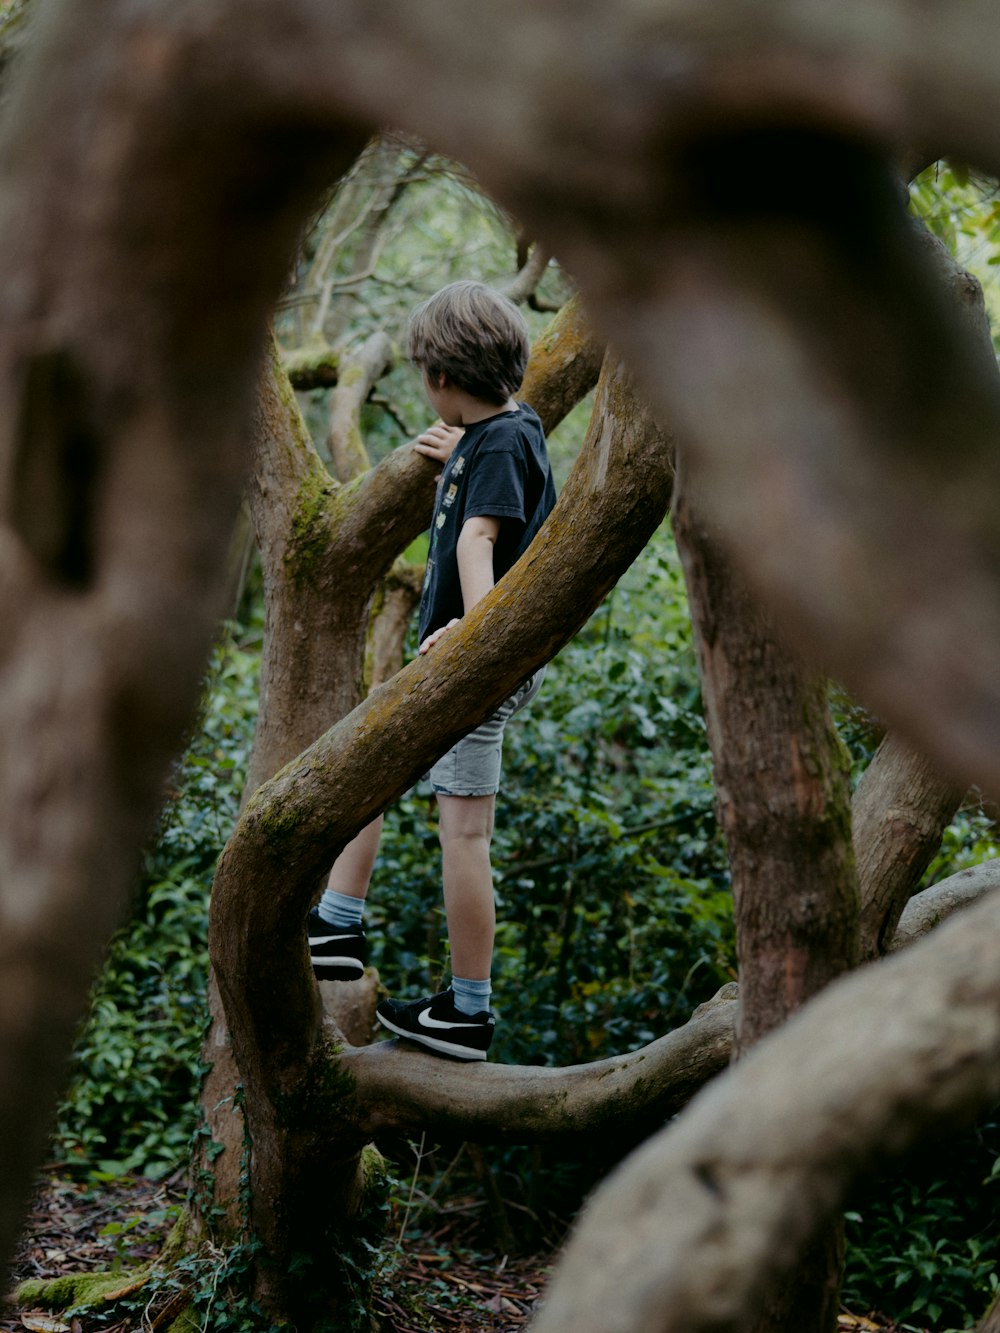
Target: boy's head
x,y
474,336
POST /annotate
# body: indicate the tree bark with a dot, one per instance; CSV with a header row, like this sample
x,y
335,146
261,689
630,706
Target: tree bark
x,y
900,810
401,1088
398,598
782,789
781,777
359,371
564,366
123,416
324,547
927,909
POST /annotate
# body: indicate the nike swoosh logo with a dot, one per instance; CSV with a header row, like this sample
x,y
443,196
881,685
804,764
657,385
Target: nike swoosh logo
x,y
424,1020
329,939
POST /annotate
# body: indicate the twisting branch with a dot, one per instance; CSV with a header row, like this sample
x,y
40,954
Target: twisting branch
x,y
523,284
708,1214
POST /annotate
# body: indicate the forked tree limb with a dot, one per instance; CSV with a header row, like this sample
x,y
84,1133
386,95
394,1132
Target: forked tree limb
x,y
691,1231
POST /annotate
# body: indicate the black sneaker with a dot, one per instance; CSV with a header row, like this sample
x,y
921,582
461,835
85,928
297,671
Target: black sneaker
x,y
438,1025
336,954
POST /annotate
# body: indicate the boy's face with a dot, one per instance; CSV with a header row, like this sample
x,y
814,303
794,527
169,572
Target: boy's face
x,y
444,398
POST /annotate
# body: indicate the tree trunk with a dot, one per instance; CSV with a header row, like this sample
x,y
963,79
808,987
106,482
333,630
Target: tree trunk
x,y
126,350
782,787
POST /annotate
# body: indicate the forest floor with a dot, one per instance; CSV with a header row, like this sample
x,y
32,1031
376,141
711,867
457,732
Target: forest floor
x,y
438,1285
442,1283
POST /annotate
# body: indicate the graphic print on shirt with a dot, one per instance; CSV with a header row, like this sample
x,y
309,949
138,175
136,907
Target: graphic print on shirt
x,y
447,500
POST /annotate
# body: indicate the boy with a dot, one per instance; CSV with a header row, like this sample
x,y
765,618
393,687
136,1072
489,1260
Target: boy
x,y
494,493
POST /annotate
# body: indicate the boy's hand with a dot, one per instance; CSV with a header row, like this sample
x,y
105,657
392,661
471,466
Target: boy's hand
x,y
438,442
432,639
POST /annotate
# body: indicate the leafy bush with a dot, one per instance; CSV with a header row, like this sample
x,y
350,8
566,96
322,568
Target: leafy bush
x,y
923,1244
132,1102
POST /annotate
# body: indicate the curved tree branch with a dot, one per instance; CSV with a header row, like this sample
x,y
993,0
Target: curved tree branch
x,y
927,909
399,1087
708,1214
564,366
523,284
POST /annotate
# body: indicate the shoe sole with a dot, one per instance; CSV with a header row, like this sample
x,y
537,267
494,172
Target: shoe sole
x,y
432,1043
337,969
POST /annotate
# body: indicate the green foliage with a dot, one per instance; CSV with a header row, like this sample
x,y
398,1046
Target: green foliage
x,y
132,1101
962,209
923,1246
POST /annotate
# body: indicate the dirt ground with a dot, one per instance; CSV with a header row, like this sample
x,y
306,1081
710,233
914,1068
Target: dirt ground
x,y
440,1284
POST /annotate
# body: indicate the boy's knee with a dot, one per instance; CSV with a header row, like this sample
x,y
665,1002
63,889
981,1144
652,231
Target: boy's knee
x,y
465,818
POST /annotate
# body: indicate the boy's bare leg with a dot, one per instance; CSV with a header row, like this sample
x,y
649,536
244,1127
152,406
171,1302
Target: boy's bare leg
x,y
352,870
466,829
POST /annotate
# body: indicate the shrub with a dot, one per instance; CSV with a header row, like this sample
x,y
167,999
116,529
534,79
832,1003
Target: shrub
x,y
132,1100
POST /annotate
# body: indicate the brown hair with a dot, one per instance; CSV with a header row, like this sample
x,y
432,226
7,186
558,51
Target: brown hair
x,y
475,336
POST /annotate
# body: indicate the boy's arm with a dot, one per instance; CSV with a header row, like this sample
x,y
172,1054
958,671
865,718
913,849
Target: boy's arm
x,y
474,552
475,558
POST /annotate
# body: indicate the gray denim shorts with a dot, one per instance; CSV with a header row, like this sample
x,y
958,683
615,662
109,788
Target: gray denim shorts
x,y
472,766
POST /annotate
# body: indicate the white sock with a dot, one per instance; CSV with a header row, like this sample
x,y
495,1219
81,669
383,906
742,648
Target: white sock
x,y
340,909
471,996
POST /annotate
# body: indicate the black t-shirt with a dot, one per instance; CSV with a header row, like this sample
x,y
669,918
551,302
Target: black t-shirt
x,y
499,469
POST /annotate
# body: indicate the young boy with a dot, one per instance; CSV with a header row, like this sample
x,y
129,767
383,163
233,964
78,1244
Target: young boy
x,y
494,493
